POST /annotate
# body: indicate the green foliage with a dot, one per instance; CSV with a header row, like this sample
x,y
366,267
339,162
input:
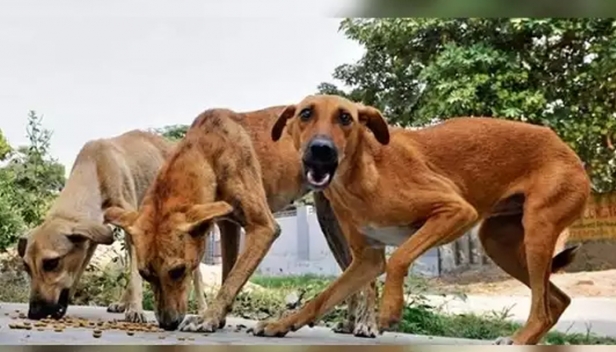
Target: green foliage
x,y
292,282
173,132
29,181
11,223
482,8
555,72
5,148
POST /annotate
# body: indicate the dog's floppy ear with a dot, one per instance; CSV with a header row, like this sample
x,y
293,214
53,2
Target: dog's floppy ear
x,y
280,124
97,233
199,216
373,119
120,217
22,243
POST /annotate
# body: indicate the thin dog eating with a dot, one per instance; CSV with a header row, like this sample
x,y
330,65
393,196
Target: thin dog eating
x,y
106,172
421,189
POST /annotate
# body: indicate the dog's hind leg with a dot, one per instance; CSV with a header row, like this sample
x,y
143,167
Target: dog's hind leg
x,y
230,244
361,315
502,238
548,210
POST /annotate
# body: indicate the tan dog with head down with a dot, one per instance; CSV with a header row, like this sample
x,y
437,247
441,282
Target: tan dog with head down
x,y
225,157
424,188
106,172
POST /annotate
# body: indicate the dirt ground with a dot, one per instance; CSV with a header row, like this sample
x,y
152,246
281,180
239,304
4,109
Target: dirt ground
x,y
493,281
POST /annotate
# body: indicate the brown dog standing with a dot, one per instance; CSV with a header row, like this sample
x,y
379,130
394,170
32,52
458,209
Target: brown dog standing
x,y
106,172
420,189
245,168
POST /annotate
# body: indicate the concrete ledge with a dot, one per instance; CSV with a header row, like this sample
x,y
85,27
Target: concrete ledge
x,y
304,336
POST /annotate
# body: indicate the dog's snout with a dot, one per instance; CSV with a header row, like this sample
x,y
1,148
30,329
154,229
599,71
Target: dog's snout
x,y
35,311
169,320
40,309
169,325
323,150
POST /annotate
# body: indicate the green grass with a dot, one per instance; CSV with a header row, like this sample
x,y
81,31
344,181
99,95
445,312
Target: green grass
x,y
291,282
422,319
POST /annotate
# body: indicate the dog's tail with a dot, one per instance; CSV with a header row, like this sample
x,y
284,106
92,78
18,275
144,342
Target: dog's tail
x,y
564,258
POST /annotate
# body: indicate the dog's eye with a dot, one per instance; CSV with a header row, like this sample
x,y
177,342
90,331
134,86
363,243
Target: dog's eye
x,y
146,275
177,273
305,114
51,264
345,118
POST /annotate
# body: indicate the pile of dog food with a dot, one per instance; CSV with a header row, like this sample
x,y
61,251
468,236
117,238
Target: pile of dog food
x,y
97,326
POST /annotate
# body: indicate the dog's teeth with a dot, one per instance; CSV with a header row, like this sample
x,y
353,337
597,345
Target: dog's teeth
x,y
312,180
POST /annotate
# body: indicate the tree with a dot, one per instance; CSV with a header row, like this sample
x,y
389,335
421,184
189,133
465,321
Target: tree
x,y
173,132
560,73
5,148
29,182
479,8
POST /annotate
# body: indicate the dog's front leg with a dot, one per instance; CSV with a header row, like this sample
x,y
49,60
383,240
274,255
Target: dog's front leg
x,y
131,302
367,264
121,305
199,291
259,238
361,313
134,291
446,224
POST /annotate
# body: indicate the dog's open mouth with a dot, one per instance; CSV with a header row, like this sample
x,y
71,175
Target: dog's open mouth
x,y
318,175
317,180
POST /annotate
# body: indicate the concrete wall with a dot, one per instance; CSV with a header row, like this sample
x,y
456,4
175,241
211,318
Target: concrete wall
x,y
302,249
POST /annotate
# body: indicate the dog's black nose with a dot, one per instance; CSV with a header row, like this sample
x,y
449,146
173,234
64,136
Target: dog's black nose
x,y
169,325
322,150
39,310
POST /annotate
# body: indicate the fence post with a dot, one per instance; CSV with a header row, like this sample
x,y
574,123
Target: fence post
x,y
303,233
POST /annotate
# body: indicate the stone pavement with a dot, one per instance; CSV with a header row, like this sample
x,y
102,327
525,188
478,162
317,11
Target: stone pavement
x,y
83,336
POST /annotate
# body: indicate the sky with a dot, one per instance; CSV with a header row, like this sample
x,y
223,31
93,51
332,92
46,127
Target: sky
x,y
97,69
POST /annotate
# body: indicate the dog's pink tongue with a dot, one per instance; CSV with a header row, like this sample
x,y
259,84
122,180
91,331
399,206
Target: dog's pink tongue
x,y
323,181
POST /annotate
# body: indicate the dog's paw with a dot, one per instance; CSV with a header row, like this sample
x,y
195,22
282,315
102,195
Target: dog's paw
x,y
503,341
388,321
117,307
390,314
132,315
270,329
367,328
195,323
